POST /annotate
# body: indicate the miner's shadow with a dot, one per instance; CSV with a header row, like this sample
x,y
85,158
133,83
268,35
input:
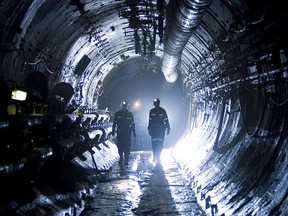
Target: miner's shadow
x,y
156,198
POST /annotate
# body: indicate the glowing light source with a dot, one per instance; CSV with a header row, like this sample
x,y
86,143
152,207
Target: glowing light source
x,y
192,145
136,105
18,95
166,158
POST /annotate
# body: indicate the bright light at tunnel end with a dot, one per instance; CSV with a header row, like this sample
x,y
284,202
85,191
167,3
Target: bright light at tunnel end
x,y
136,104
171,77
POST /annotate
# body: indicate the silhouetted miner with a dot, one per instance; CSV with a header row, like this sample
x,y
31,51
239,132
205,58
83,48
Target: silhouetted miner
x,y
124,125
157,125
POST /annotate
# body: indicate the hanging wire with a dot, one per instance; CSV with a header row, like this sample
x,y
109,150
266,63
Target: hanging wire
x,y
39,60
278,104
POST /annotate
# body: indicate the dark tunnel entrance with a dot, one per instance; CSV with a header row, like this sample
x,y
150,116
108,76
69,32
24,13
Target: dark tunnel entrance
x,y
139,83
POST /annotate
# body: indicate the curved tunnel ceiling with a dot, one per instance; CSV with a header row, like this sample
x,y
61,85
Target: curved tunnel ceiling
x,y
55,35
231,59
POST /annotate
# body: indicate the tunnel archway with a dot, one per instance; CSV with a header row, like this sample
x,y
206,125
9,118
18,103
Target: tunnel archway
x,y
136,81
234,148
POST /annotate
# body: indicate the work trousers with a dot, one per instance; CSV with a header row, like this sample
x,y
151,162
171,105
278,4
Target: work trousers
x,y
157,146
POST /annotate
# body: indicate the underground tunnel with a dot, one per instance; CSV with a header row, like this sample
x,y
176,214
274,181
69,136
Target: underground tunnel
x,y
219,68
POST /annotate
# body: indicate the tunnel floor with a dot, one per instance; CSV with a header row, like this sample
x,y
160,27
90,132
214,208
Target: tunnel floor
x,y
143,188
139,188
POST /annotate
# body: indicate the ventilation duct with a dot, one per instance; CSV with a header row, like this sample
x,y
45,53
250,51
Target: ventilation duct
x,y
188,17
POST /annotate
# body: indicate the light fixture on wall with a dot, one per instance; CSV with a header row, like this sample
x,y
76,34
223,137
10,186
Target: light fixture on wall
x,y
19,95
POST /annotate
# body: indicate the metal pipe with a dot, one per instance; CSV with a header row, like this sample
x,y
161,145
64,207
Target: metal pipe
x,y
188,17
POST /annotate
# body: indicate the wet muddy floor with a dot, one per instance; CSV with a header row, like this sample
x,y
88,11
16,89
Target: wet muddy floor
x,y
143,188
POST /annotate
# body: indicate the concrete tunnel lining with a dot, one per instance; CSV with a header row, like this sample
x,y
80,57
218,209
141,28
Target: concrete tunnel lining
x,y
233,71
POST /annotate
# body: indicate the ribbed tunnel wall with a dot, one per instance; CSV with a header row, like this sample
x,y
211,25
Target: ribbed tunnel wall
x,y
235,156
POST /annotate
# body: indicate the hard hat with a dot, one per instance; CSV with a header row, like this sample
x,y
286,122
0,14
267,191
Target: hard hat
x,y
157,100
124,103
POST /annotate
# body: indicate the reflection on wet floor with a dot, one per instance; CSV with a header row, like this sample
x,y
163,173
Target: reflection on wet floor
x,y
143,188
